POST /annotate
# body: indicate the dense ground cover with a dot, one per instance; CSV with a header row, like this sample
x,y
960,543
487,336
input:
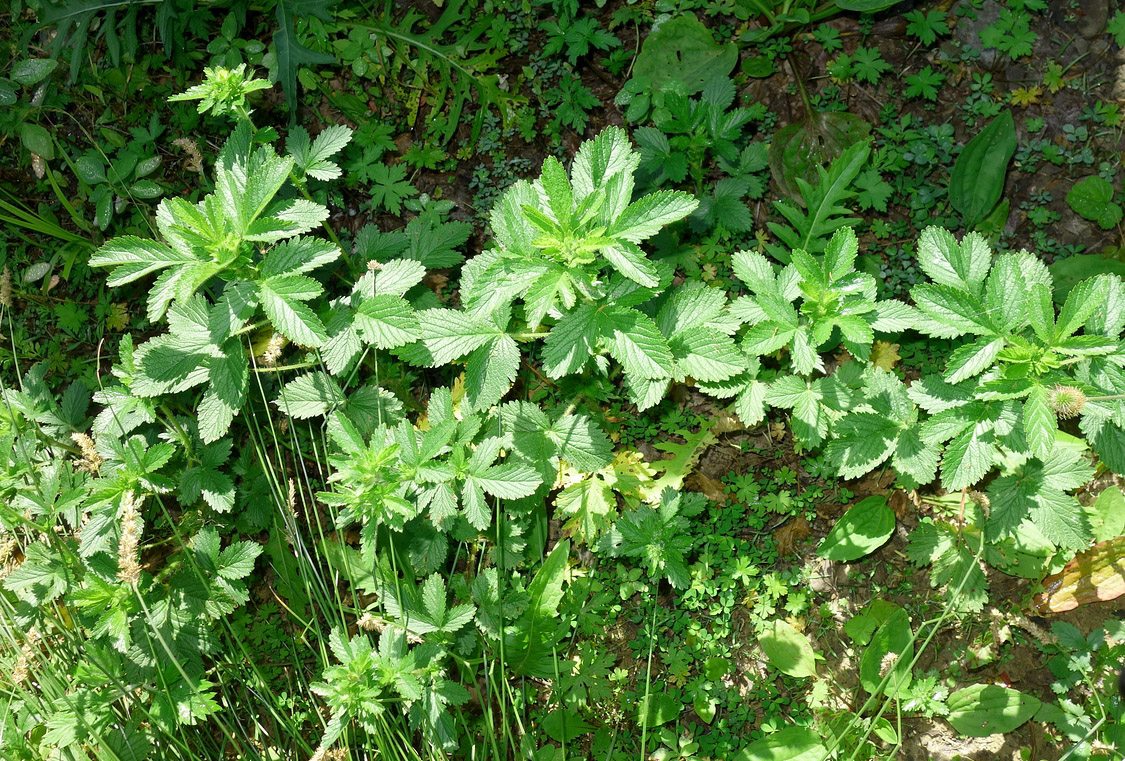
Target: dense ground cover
x,y
546,380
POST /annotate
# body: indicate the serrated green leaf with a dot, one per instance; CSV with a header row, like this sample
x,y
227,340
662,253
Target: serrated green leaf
x,y
968,457
950,312
490,372
282,299
628,259
972,358
398,276
135,257
960,266
707,355
599,162
637,343
650,213
861,442
1039,422
571,342
309,395
386,321
557,189
302,254
1083,300
508,481
450,335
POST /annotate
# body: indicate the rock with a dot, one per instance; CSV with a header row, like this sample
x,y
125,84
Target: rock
x,y
1093,15
968,28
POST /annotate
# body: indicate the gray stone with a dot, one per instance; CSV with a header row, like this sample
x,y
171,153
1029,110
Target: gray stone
x,y
968,29
1095,14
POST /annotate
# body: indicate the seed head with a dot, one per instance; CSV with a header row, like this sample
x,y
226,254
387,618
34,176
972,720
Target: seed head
x,y
128,569
1066,401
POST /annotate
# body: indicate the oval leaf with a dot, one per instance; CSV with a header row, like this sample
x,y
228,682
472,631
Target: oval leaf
x,y
658,708
683,49
893,643
33,70
705,707
789,744
788,650
989,709
977,180
863,529
1092,197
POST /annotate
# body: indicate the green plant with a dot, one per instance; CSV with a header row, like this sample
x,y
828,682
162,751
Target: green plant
x,y
977,180
786,16
451,73
220,237
823,211
1093,199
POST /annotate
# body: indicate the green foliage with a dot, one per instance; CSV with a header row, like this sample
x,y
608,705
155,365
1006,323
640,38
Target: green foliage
x,y
656,536
1092,198
455,72
223,91
555,239
682,50
225,235
926,26
367,680
410,465
977,180
823,211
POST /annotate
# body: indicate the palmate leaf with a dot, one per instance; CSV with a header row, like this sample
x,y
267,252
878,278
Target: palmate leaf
x,y
493,357
657,536
544,439
312,157
883,427
815,403
962,266
588,507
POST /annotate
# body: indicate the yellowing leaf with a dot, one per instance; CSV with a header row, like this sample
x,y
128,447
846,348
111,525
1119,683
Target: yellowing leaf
x,y
884,355
117,318
1025,96
1096,575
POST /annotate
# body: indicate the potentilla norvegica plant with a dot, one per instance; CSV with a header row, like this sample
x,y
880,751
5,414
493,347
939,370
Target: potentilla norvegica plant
x,y
451,580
